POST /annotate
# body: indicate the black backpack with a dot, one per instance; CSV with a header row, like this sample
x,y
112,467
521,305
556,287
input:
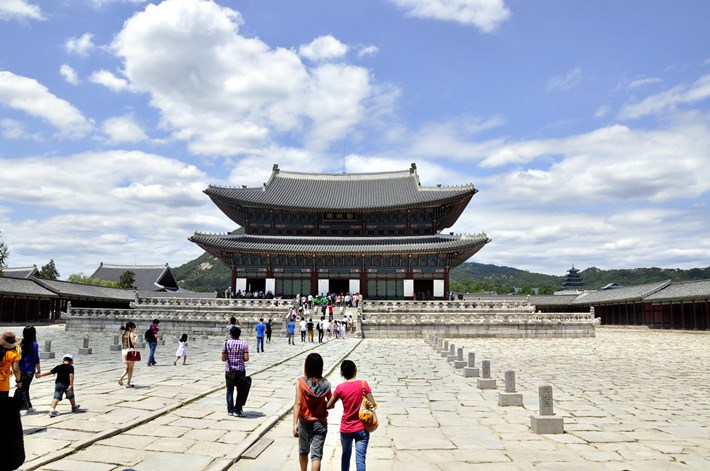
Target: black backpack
x,y
149,335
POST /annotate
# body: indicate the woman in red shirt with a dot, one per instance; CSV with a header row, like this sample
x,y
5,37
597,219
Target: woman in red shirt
x,y
351,392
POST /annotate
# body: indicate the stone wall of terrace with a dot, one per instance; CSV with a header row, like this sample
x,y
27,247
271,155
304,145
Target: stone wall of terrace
x,y
414,319
193,316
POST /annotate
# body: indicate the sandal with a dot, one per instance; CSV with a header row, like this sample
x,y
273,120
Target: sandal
x,y
130,386
120,382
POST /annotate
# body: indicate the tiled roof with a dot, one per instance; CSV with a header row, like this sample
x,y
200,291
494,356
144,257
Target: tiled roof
x,y
552,299
625,294
347,191
683,290
26,288
20,272
146,277
66,289
338,245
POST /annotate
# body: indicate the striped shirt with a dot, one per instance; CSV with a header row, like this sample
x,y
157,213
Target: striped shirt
x,y
235,350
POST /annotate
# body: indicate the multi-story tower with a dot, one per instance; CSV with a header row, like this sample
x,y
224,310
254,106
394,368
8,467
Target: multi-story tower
x,y
379,234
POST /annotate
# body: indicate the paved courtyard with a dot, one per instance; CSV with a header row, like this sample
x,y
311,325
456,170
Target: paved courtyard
x,y
631,399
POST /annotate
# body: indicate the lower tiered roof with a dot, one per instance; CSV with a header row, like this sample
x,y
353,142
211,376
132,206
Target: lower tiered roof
x,y
464,246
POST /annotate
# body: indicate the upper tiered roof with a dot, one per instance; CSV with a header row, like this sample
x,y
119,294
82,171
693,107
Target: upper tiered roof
x,y
341,192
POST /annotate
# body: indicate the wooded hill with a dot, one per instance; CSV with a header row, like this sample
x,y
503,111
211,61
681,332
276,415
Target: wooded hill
x,y
207,273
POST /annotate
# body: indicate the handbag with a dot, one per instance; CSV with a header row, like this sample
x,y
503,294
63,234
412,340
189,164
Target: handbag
x,y
367,415
133,355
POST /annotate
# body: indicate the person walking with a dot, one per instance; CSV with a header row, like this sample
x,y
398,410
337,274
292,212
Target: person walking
x,y
235,354
350,393
63,385
321,329
290,331
310,416
29,365
303,326
151,336
309,329
269,329
9,363
181,350
260,331
128,343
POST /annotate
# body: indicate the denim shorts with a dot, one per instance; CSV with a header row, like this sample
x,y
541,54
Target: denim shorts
x,y
311,437
61,389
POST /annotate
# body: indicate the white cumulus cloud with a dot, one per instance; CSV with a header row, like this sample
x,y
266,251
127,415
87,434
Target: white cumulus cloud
x,y
69,74
28,95
227,94
323,48
81,45
486,15
123,129
110,81
19,9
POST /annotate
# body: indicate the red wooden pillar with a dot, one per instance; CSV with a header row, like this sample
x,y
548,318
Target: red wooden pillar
x,y
446,282
682,315
672,316
314,277
234,281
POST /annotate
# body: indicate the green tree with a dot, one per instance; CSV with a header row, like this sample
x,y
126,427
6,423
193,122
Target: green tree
x,y
81,278
127,279
526,290
504,289
49,271
4,253
547,289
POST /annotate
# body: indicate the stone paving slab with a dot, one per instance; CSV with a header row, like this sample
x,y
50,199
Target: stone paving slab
x,y
619,394
631,399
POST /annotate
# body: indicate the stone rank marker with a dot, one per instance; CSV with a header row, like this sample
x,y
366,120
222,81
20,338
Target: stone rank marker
x,y
510,397
86,350
459,362
116,346
47,352
486,382
546,422
471,371
452,357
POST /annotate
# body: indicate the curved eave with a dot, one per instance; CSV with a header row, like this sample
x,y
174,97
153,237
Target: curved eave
x,y
227,199
219,245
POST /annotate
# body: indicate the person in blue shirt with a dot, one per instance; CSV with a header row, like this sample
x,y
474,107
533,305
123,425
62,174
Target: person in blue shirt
x,y
29,365
291,331
260,330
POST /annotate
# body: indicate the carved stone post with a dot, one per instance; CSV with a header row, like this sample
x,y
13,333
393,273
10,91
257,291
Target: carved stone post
x,y
510,397
471,371
85,350
546,422
47,352
486,382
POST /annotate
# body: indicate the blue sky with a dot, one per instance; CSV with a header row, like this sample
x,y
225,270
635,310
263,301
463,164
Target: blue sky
x,y
585,125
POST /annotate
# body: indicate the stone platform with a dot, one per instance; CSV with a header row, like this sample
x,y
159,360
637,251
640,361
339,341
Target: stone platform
x,y
632,399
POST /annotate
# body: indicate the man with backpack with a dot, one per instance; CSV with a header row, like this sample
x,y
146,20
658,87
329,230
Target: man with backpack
x,y
151,336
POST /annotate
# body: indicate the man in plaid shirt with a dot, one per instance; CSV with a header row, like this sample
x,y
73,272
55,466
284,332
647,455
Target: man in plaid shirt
x,y
235,353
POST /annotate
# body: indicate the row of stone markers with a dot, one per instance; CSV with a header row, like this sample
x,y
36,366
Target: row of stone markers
x,y
544,423
86,350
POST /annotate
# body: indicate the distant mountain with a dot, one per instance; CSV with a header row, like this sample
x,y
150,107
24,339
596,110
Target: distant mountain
x,y
208,273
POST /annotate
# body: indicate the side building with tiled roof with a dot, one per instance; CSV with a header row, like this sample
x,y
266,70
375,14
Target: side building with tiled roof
x,y
379,234
146,277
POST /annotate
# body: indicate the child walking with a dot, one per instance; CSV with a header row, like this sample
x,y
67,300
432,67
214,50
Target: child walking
x,y
310,417
63,385
182,350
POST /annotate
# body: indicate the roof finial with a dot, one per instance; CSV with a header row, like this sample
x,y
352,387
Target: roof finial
x,y
413,168
276,168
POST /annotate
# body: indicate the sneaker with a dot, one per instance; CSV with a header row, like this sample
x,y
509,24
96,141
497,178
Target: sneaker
x,y
31,410
231,414
75,408
239,413
53,413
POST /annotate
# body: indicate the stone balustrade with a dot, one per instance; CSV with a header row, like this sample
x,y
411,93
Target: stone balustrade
x,y
447,306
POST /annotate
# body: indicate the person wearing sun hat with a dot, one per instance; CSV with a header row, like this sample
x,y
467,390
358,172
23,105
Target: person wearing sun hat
x,y
9,362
